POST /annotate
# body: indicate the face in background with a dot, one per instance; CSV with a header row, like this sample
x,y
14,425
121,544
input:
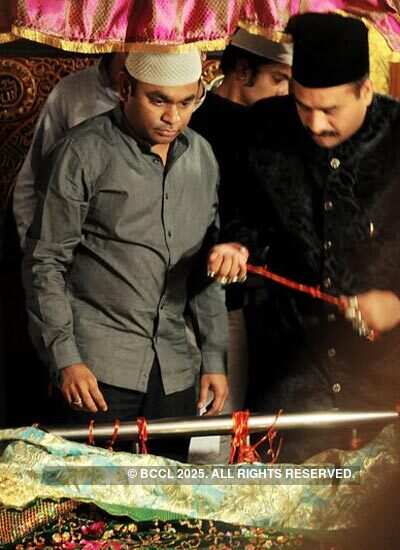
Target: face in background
x,y
269,80
157,114
113,64
332,115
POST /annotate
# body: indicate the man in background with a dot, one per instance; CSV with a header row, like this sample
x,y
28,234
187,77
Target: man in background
x,y
253,68
74,99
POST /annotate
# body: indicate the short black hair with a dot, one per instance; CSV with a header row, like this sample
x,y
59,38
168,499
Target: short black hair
x,y
232,55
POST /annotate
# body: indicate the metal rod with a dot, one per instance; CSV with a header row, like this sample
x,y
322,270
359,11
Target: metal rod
x,y
222,425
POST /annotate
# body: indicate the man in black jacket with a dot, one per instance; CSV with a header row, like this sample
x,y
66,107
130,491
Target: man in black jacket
x,y
254,68
321,171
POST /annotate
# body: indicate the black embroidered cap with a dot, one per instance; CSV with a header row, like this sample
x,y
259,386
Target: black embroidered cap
x,y
329,49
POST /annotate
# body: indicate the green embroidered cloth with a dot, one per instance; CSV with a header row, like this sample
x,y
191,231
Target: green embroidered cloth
x,y
92,475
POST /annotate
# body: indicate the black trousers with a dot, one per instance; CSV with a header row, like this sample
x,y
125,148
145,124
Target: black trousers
x,y
127,405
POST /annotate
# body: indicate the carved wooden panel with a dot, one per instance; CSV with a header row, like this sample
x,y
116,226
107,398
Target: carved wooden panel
x,y
24,86
211,70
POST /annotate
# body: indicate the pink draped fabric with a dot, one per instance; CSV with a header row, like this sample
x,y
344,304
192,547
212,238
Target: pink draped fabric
x,y
107,25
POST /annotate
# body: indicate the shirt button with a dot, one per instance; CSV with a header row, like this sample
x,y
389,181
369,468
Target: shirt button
x,y
166,196
328,205
335,163
327,283
327,245
331,352
331,317
336,388
169,234
156,161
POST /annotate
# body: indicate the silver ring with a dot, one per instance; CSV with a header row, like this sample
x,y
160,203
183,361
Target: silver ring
x,y
77,402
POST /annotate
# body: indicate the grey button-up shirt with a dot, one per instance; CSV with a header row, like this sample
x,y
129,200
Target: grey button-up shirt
x,y
116,256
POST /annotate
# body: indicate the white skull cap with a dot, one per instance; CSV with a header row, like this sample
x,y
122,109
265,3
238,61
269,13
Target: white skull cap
x,y
165,69
259,45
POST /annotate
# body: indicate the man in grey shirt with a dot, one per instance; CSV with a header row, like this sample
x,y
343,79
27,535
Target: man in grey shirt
x,y
116,254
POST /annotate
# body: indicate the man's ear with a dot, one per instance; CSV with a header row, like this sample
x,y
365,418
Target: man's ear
x,y
125,86
242,70
367,91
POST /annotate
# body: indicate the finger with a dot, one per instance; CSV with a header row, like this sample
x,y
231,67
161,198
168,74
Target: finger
x,y
88,402
98,397
244,252
220,396
242,270
214,263
203,396
216,406
76,400
232,275
71,395
225,270
68,395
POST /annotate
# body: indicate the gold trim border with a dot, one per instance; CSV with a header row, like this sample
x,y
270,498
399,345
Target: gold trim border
x,y
93,48
204,45
7,37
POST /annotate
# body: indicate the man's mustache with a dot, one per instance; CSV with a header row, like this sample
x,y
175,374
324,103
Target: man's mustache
x,y
324,134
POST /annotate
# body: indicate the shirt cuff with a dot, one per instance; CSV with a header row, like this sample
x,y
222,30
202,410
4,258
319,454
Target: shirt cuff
x,y
214,363
64,354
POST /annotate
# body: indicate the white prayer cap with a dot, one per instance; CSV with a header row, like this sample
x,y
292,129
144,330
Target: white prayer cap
x,y
165,69
275,51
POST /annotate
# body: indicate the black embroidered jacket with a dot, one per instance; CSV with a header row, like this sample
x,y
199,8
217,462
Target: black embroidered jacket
x,y
329,218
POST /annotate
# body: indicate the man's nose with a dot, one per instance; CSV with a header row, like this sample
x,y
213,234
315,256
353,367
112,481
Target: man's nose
x,y
171,114
316,122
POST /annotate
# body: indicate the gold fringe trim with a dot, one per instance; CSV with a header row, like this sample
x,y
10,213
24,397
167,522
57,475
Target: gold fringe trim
x,y
204,45
279,36
394,56
276,36
7,37
108,47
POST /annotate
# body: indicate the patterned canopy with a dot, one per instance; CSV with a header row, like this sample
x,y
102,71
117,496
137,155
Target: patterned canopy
x,y
96,26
